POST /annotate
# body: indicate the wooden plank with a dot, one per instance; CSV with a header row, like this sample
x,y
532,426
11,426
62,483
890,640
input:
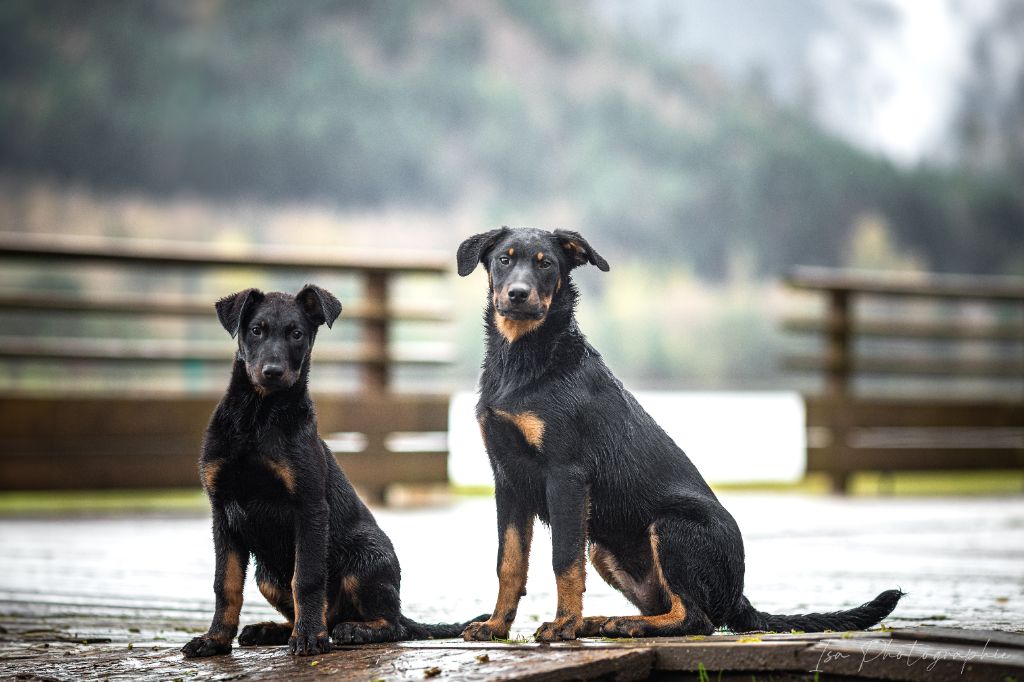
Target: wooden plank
x,y
379,469
180,253
913,459
62,660
881,412
157,304
902,329
913,661
925,366
101,416
101,442
997,638
188,350
984,287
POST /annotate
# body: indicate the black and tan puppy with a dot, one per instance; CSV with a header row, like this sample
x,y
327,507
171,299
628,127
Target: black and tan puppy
x,y
278,494
570,445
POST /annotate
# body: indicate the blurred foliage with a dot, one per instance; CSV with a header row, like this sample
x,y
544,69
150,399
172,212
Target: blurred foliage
x,y
514,104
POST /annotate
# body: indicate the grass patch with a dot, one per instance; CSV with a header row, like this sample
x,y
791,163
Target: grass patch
x,y
939,483
35,503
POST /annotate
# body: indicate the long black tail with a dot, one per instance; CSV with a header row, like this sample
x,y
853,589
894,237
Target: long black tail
x,y
747,618
416,630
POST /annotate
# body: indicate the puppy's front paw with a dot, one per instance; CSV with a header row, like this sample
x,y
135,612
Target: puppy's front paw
x,y
485,631
204,645
302,644
558,630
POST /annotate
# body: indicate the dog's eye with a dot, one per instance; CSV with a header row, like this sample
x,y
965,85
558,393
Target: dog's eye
x,y
256,331
504,260
544,264
296,334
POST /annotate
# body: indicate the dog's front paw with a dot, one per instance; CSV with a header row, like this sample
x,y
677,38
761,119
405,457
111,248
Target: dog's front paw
x,y
485,631
622,627
204,645
303,644
559,630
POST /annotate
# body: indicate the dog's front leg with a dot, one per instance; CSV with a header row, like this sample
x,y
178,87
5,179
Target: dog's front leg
x,y
567,508
515,532
232,559
309,636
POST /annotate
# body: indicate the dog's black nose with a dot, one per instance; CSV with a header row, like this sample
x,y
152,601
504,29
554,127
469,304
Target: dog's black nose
x,y
518,293
273,371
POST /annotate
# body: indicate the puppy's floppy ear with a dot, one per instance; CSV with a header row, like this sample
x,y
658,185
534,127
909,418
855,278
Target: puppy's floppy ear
x,y
232,309
319,304
474,250
580,252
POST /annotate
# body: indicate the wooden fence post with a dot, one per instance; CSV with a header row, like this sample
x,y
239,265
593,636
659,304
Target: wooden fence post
x,y
376,371
837,384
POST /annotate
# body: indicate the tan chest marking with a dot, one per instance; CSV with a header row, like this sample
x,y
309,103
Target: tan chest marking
x,y
284,473
208,474
528,423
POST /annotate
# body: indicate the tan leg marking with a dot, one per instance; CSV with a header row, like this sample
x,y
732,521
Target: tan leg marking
x,y
528,423
511,587
350,584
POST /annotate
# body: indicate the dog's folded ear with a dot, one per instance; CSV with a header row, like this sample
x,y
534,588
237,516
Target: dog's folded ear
x,y
319,304
580,252
474,250
231,309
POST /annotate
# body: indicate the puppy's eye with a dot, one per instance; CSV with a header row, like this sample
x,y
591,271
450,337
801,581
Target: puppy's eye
x,y
256,331
296,334
544,264
504,260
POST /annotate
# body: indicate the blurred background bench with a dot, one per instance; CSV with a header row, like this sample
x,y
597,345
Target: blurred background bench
x,y
112,359
920,372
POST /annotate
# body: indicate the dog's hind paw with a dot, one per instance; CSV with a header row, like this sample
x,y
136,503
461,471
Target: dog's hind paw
x,y
204,645
309,645
559,630
366,633
622,627
269,634
485,631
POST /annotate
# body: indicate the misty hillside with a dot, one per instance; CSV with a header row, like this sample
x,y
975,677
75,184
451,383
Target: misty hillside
x,y
522,106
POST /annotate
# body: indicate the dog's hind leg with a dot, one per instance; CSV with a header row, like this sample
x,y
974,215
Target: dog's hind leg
x,y
269,633
367,610
666,602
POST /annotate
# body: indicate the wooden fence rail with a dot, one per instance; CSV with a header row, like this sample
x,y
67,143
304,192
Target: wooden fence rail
x,y
58,436
928,430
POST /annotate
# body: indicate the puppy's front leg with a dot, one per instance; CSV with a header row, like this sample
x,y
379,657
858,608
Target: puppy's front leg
x,y
567,508
515,532
309,636
232,559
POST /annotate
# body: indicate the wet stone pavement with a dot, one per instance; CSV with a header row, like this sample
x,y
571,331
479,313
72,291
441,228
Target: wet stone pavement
x,y
115,596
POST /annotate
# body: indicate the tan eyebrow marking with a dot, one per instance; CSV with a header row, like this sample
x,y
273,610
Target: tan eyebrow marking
x,y
511,252
540,256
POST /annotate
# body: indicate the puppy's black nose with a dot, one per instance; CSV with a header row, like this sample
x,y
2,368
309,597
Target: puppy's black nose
x,y
273,371
518,293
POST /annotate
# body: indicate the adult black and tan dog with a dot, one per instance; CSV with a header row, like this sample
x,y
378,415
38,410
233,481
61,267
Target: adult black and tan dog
x,y
570,445
277,493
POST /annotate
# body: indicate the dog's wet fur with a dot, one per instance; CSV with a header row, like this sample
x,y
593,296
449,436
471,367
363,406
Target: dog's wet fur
x,y
568,444
278,494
